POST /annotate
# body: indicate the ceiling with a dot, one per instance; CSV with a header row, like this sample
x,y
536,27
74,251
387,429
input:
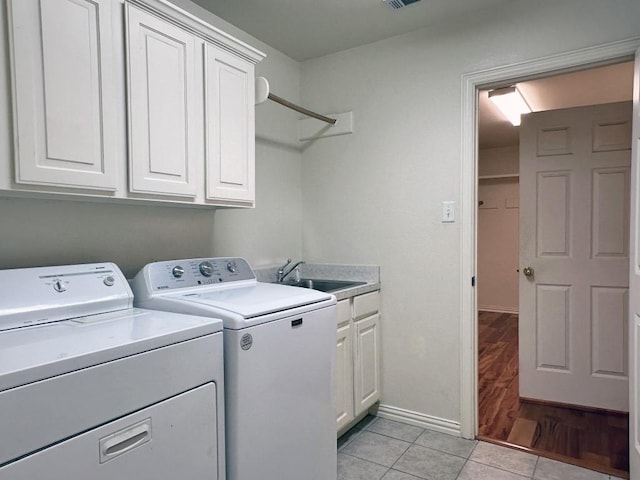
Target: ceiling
x,y
304,29
612,83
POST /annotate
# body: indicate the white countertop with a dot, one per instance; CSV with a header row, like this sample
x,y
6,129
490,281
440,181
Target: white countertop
x,y
370,274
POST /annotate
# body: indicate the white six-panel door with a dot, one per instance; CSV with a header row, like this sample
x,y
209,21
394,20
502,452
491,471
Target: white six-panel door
x,y
65,98
574,230
634,284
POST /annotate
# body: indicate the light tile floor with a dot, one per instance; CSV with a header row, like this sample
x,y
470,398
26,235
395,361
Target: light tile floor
x,y
380,449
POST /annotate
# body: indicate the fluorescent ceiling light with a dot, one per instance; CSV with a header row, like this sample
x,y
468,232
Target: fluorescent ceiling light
x,y
397,4
510,102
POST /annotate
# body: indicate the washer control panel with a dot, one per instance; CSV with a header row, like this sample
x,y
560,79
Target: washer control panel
x,y
196,272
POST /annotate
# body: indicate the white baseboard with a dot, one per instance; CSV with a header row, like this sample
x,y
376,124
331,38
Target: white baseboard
x,y
419,419
498,309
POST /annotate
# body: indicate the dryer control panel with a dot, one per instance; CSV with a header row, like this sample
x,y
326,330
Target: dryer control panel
x,y
32,296
195,272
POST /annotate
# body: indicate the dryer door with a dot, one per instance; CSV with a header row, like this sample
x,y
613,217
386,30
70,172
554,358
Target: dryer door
x,y
175,438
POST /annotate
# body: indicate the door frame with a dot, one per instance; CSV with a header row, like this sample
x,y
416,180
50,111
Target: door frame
x,y
605,54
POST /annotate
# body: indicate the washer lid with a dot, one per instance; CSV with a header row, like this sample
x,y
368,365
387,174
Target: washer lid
x,y
256,299
35,353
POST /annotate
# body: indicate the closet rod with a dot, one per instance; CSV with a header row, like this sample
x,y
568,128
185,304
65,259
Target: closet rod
x,y
299,109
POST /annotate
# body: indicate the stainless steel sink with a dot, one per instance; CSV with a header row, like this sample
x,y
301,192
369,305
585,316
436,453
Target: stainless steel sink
x,y
322,285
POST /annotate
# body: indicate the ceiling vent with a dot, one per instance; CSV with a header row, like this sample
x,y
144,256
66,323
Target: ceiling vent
x,y
398,4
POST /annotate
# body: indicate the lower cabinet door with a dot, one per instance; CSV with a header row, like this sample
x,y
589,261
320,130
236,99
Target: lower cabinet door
x,y
366,362
344,377
175,438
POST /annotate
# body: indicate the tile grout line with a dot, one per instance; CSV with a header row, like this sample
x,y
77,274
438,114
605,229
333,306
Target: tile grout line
x,y
535,467
426,446
463,465
400,456
368,461
413,443
398,459
468,458
533,473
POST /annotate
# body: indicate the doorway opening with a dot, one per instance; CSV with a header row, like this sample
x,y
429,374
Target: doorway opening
x,y
595,438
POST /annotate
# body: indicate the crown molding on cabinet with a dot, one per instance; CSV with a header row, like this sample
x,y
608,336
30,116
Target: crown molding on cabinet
x,y
178,16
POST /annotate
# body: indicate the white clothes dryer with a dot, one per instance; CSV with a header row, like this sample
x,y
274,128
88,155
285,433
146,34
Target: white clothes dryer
x,y
279,349
92,388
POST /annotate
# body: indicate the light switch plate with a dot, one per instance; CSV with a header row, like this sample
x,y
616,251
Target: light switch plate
x,y
448,211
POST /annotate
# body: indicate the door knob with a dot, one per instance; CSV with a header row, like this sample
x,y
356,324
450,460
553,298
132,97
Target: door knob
x,y
528,271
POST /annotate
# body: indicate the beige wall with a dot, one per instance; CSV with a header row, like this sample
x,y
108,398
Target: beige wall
x,y
270,233
497,229
42,232
498,161
498,245
374,197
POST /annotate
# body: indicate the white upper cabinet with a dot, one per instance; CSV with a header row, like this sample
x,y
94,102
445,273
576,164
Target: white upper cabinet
x,y
136,100
230,126
64,94
163,108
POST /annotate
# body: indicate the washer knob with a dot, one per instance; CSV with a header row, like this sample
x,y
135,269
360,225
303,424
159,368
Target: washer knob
x,y
232,267
206,269
109,281
177,271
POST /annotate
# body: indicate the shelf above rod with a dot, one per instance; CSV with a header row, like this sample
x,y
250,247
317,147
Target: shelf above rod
x,y
300,109
492,177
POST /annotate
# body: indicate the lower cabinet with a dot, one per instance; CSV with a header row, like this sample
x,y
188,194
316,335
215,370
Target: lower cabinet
x,y
366,368
358,362
344,368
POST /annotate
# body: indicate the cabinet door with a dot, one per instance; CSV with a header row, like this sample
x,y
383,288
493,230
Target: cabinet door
x,y
64,93
163,109
230,127
366,362
344,377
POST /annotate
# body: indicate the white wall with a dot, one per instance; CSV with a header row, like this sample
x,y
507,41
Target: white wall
x,y
375,196
43,232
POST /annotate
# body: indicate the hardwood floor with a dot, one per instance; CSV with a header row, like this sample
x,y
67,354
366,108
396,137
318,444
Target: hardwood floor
x,y
497,374
592,439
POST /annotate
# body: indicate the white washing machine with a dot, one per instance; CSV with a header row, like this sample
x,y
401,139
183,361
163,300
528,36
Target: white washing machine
x,y
92,388
279,353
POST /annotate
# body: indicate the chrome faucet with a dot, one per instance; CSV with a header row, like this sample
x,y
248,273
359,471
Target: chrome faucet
x,y
281,274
